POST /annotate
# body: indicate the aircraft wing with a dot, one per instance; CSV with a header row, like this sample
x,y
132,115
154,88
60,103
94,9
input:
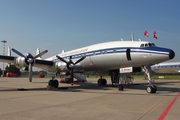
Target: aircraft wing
x,y
43,62
45,65
7,59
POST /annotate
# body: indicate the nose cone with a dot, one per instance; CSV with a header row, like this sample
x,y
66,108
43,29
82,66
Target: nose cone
x,y
171,54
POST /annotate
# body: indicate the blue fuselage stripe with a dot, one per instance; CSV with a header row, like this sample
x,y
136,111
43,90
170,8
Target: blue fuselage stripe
x,y
154,50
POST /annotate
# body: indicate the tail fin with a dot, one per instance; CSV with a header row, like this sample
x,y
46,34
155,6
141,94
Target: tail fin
x,y
9,54
9,51
37,52
63,51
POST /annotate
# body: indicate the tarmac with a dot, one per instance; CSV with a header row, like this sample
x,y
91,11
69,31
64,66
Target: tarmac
x,y
22,100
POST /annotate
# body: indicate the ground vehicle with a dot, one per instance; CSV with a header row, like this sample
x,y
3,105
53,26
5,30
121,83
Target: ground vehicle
x,y
10,74
41,75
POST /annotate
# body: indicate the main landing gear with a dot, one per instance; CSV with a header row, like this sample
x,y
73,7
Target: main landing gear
x,y
53,83
151,88
102,82
115,75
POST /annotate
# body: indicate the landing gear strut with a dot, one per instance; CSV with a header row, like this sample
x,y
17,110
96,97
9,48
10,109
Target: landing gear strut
x,y
115,76
151,88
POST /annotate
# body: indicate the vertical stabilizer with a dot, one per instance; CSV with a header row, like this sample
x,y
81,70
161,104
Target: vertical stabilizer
x,y
63,51
9,51
9,54
132,36
37,52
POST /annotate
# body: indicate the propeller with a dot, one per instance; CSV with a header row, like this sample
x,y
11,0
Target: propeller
x,y
70,65
29,59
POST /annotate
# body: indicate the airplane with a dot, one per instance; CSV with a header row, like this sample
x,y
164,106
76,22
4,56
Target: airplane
x,y
166,67
105,58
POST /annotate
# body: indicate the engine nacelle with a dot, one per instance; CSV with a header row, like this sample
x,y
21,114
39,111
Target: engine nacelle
x,y
20,63
62,67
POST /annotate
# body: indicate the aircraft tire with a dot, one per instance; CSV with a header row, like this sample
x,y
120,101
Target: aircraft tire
x,y
102,82
56,83
121,88
151,89
154,89
51,83
99,82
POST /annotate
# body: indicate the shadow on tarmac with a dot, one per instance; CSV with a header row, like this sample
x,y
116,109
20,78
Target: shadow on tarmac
x,y
81,87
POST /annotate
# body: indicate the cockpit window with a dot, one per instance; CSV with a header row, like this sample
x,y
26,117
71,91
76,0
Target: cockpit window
x,y
153,44
142,45
147,45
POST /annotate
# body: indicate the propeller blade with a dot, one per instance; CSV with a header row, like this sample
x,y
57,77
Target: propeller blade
x,y
80,59
30,72
17,52
72,76
61,59
41,54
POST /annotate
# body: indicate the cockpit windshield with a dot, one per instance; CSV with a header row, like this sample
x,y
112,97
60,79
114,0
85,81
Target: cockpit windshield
x,y
147,45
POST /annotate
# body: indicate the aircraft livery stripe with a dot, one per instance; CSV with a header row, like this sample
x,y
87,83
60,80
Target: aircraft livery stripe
x,y
154,50
167,64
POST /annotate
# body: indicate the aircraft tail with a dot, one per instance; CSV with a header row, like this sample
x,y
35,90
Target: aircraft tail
x,y
37,52
63,51
9,51
9,54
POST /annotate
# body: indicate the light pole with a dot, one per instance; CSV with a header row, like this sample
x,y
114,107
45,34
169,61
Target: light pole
x,y
4,41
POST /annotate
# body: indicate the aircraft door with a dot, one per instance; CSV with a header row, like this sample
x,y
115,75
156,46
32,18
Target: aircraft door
x,y
128,54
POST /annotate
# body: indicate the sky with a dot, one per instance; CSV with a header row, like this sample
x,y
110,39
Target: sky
x,y
57,25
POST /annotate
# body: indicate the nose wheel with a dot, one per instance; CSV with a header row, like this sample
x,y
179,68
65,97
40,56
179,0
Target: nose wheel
x,y
151,89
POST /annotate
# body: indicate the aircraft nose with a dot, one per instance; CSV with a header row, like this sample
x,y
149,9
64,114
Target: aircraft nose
x,y
171,54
